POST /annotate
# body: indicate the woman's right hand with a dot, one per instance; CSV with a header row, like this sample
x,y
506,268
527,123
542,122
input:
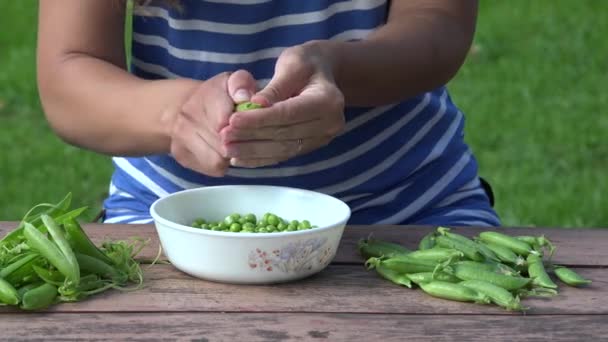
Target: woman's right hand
x,y
194,125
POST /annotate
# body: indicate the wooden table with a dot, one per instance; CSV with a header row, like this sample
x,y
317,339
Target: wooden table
x,y
343,302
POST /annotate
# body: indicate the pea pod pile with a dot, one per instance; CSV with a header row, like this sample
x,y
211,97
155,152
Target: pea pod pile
x,y
249,223
49,259
490,268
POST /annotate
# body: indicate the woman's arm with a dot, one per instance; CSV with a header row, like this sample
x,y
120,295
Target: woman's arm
x,y
421,47
89,98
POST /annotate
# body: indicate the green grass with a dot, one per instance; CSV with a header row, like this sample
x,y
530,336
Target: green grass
x,y
35,166
536,109
531,90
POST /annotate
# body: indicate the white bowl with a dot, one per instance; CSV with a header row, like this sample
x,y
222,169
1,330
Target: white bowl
x,y
249,258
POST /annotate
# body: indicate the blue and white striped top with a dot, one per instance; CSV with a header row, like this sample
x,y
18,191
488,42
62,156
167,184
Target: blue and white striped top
x,y
402,163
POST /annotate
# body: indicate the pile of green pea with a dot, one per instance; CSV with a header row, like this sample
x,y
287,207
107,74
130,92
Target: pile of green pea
x,y
249,223
490,268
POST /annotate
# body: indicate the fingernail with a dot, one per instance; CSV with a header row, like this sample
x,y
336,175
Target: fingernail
x,y
241,95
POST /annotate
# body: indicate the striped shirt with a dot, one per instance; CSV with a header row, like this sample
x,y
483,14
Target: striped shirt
x,y
401,163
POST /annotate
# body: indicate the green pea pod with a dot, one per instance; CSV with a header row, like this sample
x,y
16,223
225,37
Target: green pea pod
x,y
64,246
403,264
93,265
369,248
395,277
490,266
22,276
427,242
504,268
536,292
40,297
245,106
570,277
51,277
91,285
487,252
469,272
427,277
459,237
472,245
436,254
23,289
536,271
531,240
538,242
8,293
519,247
503,253
81,243
8,270
497,294
456,292
15,237
470,252
50,251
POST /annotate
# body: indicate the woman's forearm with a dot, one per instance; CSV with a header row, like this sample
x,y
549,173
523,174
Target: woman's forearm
x,y
421,47
98,106
88,97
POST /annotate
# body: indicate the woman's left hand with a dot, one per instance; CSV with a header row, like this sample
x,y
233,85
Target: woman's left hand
x,y
303,110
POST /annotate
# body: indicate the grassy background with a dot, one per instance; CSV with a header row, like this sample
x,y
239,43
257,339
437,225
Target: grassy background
x,y
531,90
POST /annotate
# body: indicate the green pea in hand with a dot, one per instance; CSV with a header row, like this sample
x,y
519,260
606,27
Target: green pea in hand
x,y
245,106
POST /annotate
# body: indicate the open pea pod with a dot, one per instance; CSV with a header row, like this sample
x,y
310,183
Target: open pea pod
x,y
8,293
81,243
50,276
98,267
21,271
35,219
49,250
58,211
17,263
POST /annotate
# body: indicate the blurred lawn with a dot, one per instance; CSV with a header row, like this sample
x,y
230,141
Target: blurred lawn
x,y
531,90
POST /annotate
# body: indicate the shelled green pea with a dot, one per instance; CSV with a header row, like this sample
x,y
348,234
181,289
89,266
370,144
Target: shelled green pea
x,y
250,223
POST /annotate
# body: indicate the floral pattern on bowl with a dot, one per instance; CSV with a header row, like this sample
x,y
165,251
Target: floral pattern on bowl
x,y
298,256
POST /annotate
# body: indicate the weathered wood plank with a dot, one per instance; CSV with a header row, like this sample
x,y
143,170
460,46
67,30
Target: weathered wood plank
x,y
340,288
579,247
300,327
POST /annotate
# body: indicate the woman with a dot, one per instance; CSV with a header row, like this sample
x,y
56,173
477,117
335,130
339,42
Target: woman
x,y
353,95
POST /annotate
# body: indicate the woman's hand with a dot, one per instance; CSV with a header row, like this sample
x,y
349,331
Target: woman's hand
x,y
303,110
194,126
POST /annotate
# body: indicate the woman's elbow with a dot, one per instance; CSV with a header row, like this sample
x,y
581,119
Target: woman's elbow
x,y
53,105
